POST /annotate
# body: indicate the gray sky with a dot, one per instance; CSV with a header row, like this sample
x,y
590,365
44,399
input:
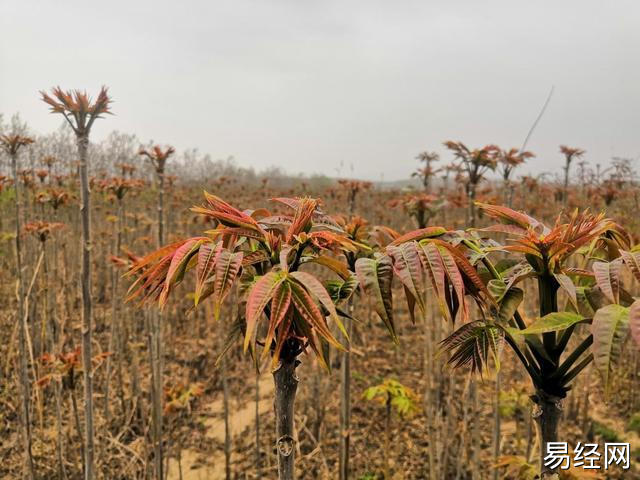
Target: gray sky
x,y
307,85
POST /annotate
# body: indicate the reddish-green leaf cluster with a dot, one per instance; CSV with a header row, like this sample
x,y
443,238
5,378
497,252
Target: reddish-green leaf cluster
x,y
12,143
432,256
264,252
77,105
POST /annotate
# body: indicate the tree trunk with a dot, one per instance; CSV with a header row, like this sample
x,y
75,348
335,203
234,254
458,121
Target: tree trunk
x,y
62,470
286,384
24,364
76,419
565,191
227,431
156,350
160,207
471,196
387,438
548,302
257,402
497,427
474,430
547,413
156,392
85,211
345,406
113,329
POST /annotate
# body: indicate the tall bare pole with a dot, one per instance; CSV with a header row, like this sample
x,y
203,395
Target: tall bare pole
x,y
80,112
12,144
158,158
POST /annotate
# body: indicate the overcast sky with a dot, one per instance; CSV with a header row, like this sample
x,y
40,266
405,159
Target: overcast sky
x,y
311,85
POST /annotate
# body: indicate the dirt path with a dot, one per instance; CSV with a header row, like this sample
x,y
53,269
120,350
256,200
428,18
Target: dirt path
x,y
210,466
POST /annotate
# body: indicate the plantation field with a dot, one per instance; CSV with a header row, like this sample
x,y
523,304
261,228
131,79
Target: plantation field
x,y
335,328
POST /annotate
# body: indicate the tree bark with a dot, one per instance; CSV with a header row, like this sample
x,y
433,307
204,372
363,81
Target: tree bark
x,y
474,430
161,207
24,364
85,211
286,384
565,191
156,392
257,421
471,196
387,437
114,330
62,470
227,431
497,427
345,406
547,413
156,349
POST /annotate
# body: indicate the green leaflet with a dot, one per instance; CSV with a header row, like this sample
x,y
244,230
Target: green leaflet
x,y
259,296
569,288
632,261
407,265
472,344
608,279
375,276
342,290
497,288
509,304
610,329
313,285
552,322
227,268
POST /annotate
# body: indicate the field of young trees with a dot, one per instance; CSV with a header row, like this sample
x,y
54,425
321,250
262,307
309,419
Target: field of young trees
x,y
166,316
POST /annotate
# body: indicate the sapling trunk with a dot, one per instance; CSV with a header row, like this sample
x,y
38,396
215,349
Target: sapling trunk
x,y
497,424
257,422
547,414
565,191
548,408
160,207
286,385
85,211
225,408
114,331
24,364
76,419
156,347
471,197
474,430
345,406
387,438
62,470
156,393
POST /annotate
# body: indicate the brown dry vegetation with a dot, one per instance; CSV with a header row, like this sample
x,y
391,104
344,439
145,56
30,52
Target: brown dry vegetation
x,y
450,434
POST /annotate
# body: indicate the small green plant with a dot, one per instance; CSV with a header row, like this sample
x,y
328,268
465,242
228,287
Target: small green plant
x,y
394,396
393,393
512,403
368,476
634,423
605,432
